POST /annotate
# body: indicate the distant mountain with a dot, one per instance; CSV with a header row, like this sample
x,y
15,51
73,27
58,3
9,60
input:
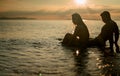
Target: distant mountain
x,y
15,18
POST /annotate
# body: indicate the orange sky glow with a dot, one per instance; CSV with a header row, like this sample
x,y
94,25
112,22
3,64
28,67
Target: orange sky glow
x,y
62,9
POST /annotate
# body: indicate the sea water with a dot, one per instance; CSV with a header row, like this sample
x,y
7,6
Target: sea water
x,y
33,48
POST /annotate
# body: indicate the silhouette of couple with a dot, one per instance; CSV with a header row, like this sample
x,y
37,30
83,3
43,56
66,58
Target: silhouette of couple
x,y
80,37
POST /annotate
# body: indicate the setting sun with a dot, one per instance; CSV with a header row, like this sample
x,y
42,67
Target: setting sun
x,y
80,2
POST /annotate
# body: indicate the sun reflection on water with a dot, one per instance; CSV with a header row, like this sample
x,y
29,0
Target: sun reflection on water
x,y
77,52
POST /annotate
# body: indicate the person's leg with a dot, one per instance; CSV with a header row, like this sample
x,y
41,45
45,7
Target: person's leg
x,y
111,45
101,45
117,47
92,42
67,39
98,41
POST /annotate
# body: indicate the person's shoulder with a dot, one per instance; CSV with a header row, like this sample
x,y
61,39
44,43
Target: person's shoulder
x,y
114,25
113,22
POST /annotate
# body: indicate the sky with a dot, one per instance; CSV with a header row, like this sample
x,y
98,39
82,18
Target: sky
x,y
58,9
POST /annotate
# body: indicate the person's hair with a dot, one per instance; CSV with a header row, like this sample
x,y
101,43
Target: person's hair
x,y
77,18
105,14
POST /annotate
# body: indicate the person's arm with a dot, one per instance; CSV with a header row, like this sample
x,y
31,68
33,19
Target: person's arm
x,y
116,37
116,33
75,31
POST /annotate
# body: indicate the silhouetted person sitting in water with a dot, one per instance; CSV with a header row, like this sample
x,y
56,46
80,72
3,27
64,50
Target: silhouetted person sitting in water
x,y
109,32
80,36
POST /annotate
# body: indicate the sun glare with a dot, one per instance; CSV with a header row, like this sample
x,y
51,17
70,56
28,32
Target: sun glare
x,y
80,2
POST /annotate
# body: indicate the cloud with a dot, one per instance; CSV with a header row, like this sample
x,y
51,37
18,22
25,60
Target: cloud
x,y
87,13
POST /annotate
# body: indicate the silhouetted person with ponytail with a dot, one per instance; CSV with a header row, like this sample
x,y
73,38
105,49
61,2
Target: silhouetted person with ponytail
x,y
80,36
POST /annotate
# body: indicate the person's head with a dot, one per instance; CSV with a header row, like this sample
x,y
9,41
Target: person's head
x,y
105,16
76,19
